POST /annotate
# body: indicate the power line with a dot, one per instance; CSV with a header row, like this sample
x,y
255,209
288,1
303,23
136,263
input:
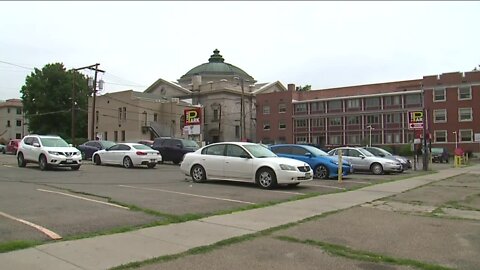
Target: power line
x,y
12,64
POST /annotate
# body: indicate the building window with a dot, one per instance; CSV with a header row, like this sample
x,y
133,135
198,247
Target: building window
x,y
215,115
18,136
388,138
237,131
8,110
353,120
8,123
464,114
123,135
376,139
301,139
440,116
392,100
397,138
282,108
464,93
119,114
373,102
302,107
353,103
124,113
317,122
266,109
155,117
335,121
353,139
301,123
439,94
282,125
466,135
392,118
413,99
317,106
105,135
440,135
334,139
115,136
19,123
266,125
334,105
372,119
19,110
97,114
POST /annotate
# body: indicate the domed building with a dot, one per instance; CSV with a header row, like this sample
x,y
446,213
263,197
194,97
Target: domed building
x,y
226,94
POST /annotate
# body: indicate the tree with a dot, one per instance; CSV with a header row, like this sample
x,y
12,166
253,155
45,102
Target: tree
x,y
47,101
304,88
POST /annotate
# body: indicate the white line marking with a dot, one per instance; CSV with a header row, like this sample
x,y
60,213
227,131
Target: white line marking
x,y
46,231
287,192
313,185
187,194
83,198
8,166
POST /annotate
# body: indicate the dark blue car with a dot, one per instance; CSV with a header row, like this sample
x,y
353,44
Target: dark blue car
x,y
323,165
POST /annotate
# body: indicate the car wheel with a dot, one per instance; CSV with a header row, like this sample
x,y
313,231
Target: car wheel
x,y
376,168
266,178
198,174
151,165
75,168
176,161
321,172
127,162
42,162
97,160
21,161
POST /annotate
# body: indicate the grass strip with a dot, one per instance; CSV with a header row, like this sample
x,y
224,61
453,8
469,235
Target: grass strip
x,y
360,255
16,245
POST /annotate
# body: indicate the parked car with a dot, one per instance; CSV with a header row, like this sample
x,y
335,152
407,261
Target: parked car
x,y
88,148
173,149
146,142
128,155
12,146
362,160
3,148
380,152
48,151
246,162
440,155
323,165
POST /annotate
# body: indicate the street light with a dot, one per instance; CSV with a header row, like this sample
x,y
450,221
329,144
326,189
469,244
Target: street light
x,y
370,136
456,139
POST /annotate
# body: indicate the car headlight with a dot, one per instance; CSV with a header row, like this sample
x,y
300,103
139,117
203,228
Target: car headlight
x,y
287,167
392,163
53,153
77,153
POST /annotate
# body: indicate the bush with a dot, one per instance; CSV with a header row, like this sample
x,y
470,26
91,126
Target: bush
x,y
405,150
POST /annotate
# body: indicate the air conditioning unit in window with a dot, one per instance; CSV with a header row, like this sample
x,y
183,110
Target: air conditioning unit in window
x,y
177,100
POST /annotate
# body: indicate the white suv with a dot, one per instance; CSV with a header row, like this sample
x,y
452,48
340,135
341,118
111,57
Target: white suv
x,y
48,151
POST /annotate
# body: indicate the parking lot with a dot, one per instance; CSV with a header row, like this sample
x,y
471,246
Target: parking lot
x,y
62,204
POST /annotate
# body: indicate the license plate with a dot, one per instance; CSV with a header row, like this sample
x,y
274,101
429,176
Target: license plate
x,y
69,160
153,160
308,175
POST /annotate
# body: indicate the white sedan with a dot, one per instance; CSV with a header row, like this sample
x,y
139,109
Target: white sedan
x,y
128,155
246,162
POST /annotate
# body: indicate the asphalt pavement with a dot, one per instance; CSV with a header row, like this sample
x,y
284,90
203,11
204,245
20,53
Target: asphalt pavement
x,y
365,224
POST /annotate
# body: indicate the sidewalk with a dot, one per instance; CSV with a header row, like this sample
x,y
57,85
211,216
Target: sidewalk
x,y
108,251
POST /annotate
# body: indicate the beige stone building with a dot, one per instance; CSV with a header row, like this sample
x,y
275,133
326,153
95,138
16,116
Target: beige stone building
x,y
218,88
12,120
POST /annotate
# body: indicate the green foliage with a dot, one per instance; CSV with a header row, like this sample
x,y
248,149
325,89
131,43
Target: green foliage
x,y
405,150
47,101
304,88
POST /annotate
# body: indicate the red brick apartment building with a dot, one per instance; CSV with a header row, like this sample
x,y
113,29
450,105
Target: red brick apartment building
x,y
356,115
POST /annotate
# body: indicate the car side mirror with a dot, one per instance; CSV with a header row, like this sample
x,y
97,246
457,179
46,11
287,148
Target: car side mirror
x,y
381,155
362,156
179,145
36,144
244,156
308,154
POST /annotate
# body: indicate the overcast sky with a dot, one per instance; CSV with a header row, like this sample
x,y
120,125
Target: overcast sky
x,y
324,44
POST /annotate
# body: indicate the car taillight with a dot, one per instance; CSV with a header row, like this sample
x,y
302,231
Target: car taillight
x,y
140,153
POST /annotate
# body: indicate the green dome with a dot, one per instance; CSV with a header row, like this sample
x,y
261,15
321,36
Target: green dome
x,y
216,66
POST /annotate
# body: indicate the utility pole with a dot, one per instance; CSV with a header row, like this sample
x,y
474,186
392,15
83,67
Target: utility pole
x,y
242,113
91,67
424,133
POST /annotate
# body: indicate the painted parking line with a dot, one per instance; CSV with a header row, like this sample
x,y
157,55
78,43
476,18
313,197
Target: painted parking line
x,y
83,198
46,231
287,192
187,194
315,185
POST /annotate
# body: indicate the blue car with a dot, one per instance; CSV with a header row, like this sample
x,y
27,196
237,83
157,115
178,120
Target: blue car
x,y
323,165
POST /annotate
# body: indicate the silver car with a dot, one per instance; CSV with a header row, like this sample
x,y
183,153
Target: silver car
x,y
362,160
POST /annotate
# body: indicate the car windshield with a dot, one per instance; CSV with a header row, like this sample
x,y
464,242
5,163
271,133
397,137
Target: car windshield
x,y
107,144
190,144
365,152
53,142
141,147
378,151
437,150
315,151
259,151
